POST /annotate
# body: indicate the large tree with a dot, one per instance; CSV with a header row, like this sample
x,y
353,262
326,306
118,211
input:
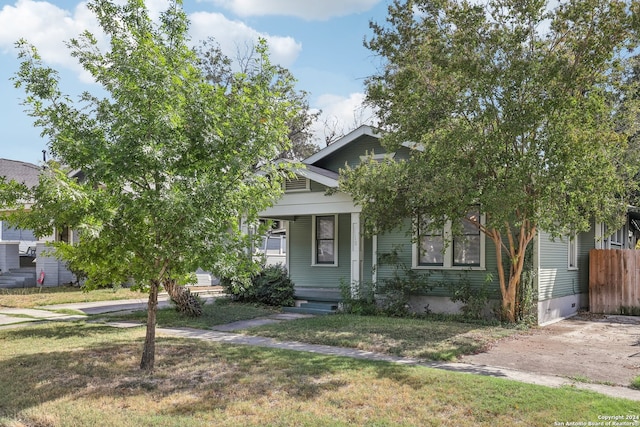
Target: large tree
x,y
511,105
219,69
170,163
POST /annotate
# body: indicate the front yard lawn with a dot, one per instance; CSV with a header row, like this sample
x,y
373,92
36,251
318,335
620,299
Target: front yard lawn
x,y
77,373
216,312
34,297
423,338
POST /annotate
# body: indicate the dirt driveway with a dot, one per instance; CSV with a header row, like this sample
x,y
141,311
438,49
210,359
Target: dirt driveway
x,y
602,349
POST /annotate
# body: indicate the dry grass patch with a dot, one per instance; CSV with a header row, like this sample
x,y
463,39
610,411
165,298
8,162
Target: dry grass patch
x,y
71,374
34,297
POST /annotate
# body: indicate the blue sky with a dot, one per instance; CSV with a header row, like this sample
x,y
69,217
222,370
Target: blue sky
x,y
320,41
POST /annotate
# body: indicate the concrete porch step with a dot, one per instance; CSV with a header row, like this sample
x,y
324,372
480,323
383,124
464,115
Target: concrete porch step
x,y
304,310
329,306
318,294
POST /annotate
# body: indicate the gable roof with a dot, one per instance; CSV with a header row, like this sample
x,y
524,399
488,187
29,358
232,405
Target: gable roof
x,y
320,175
22,172
340,143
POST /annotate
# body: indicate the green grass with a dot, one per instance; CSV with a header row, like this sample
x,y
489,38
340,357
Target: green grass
x,y
420,337
425,338
77,373
218,312
636,383
34,297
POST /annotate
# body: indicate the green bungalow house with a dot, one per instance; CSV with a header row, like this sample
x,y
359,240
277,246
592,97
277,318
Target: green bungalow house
x,y
326,246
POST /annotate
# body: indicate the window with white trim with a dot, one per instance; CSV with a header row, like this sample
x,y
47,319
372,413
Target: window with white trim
x,y
466,247
466,250
573,252
325,240
431,244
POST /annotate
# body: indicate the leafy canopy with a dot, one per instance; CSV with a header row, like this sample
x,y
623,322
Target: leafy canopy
x,y
167,163
509,104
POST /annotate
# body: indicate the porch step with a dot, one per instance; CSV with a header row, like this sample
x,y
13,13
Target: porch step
x,y
307,310
330,295
329,306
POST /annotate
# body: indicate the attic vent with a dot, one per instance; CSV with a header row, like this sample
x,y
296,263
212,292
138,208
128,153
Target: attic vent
x,y
298,184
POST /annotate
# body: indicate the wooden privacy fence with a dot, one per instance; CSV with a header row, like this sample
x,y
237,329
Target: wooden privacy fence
x,y
614,281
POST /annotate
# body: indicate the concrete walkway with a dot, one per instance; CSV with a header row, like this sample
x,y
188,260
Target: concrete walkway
x,y
225,334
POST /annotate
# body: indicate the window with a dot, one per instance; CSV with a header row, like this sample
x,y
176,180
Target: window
x,y
573,252
466,247
441,249
617,239
431,244
325,251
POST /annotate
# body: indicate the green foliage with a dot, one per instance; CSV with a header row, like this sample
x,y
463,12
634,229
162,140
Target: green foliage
x,y
271,286
274,287
390,296
359,298
512,105
636,383
404,282
527,295
475,300
170,163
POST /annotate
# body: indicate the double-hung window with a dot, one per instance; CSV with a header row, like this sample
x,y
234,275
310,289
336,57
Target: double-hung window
x,y
441,248
325,240
431,244
466,246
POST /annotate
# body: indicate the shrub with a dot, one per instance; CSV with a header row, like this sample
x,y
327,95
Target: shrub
x,y
272,286
361,302
395,292
474,300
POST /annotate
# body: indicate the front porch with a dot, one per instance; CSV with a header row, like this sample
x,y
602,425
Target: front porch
x,y
326,249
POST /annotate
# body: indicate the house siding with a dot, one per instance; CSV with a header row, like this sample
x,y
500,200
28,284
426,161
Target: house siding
x,y
56,272
301,271
555,278
316,187
17,234
442,280
351,153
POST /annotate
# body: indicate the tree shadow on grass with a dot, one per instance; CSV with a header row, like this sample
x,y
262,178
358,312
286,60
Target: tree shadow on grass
x,y
98,364
59,330
96,367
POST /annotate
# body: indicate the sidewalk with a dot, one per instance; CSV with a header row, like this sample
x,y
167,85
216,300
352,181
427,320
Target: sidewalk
x,y
224,333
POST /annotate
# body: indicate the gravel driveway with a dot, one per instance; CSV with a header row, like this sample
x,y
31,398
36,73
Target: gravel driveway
x,y
590,348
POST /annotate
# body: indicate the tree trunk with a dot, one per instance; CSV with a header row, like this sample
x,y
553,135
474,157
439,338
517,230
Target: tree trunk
x,y
517,248
149,351
186,302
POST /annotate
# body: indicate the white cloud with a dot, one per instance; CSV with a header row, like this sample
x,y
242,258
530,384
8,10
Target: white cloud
x,y
340,115
234,37
47,27
305,9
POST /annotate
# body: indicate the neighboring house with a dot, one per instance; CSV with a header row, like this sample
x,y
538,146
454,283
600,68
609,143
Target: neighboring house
x,y
325,245
273,248
21,252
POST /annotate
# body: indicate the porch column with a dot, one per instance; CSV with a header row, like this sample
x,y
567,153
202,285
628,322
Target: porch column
x,y
374,258
356,253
